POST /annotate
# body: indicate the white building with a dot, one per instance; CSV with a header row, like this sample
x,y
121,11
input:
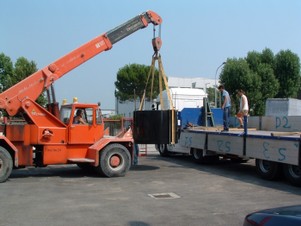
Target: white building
x,y
182,98
199,83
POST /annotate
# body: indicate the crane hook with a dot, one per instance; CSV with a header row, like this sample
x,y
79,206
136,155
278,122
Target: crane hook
x,y
156,41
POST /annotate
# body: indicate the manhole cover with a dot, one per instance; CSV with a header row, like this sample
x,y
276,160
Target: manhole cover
x,y
170,195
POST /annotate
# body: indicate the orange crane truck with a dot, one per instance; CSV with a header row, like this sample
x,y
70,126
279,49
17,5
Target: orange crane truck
x,y
48,135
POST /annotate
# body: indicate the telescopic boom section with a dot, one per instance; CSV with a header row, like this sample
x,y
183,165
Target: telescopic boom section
x,y
31,87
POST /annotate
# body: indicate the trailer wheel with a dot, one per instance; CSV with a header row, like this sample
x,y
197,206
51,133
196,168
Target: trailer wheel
x,y
197,156
267,170
162,149
114,161
293,174
6,164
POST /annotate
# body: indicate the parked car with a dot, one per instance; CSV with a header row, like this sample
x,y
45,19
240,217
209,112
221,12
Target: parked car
x,y
280,216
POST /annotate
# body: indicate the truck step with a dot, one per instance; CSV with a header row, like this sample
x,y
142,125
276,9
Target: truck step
x,y
80,160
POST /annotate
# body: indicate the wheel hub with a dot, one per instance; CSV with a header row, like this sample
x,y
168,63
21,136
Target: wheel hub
x,y
115,161
197,154
265,166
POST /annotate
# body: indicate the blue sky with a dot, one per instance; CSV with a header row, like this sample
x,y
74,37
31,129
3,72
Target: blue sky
x,y
197,35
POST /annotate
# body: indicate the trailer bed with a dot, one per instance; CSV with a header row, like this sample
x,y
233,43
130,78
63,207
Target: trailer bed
x,y
266,145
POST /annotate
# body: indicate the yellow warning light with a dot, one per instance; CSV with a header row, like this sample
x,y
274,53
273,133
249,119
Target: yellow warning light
x,y
64,101
75,100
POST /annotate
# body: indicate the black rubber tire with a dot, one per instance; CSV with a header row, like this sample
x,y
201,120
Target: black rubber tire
x,y
268,170
162,149
105,167
197,156
6,164
292,174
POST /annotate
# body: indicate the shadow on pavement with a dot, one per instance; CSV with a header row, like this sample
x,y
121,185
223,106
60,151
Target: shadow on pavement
x,y
245,172
144,168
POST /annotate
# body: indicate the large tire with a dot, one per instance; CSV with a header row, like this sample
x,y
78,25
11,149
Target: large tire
x,y
162,149
6,164
197,156
114,161
293,174
170,148
268,170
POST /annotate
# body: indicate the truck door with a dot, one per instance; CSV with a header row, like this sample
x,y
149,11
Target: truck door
x,y
89,132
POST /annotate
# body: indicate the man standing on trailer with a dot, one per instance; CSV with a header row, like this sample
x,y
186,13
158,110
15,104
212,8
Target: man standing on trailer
x,y
226,106
243,108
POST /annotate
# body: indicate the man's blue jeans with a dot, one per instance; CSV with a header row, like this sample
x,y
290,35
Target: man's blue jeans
x,y
226,117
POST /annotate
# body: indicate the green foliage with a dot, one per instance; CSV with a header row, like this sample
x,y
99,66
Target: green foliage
x,y
237,75
6,70
261,76
270,84
22,69
10,73
116,117
211,94
287,71
132,80
267,57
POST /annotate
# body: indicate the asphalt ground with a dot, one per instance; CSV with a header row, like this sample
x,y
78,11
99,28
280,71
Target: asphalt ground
x,y
158,191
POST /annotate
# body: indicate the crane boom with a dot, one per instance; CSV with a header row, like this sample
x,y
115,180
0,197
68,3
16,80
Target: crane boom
x,y
32,86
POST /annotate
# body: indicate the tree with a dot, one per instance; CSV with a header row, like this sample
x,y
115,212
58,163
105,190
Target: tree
x,y
261,76
211,94
287,71
6,70
263,64
270,84
132,81
235,75
22,69
253,59
10,73
267,57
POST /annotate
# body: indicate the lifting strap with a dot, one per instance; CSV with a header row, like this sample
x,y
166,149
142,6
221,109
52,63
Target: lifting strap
x,y
162,78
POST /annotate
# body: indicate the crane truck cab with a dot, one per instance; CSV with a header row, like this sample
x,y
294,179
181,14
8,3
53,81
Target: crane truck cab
x,y
89,132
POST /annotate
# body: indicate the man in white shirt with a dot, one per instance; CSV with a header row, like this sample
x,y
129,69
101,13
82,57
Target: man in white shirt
x,y
243,108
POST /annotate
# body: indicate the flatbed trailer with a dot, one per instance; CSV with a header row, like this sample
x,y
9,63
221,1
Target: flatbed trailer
x,y
274,152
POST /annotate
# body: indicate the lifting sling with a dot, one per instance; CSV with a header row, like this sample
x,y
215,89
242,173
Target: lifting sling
x,y
162,81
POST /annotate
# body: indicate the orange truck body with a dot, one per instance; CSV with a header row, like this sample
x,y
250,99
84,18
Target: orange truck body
x,y
48,135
